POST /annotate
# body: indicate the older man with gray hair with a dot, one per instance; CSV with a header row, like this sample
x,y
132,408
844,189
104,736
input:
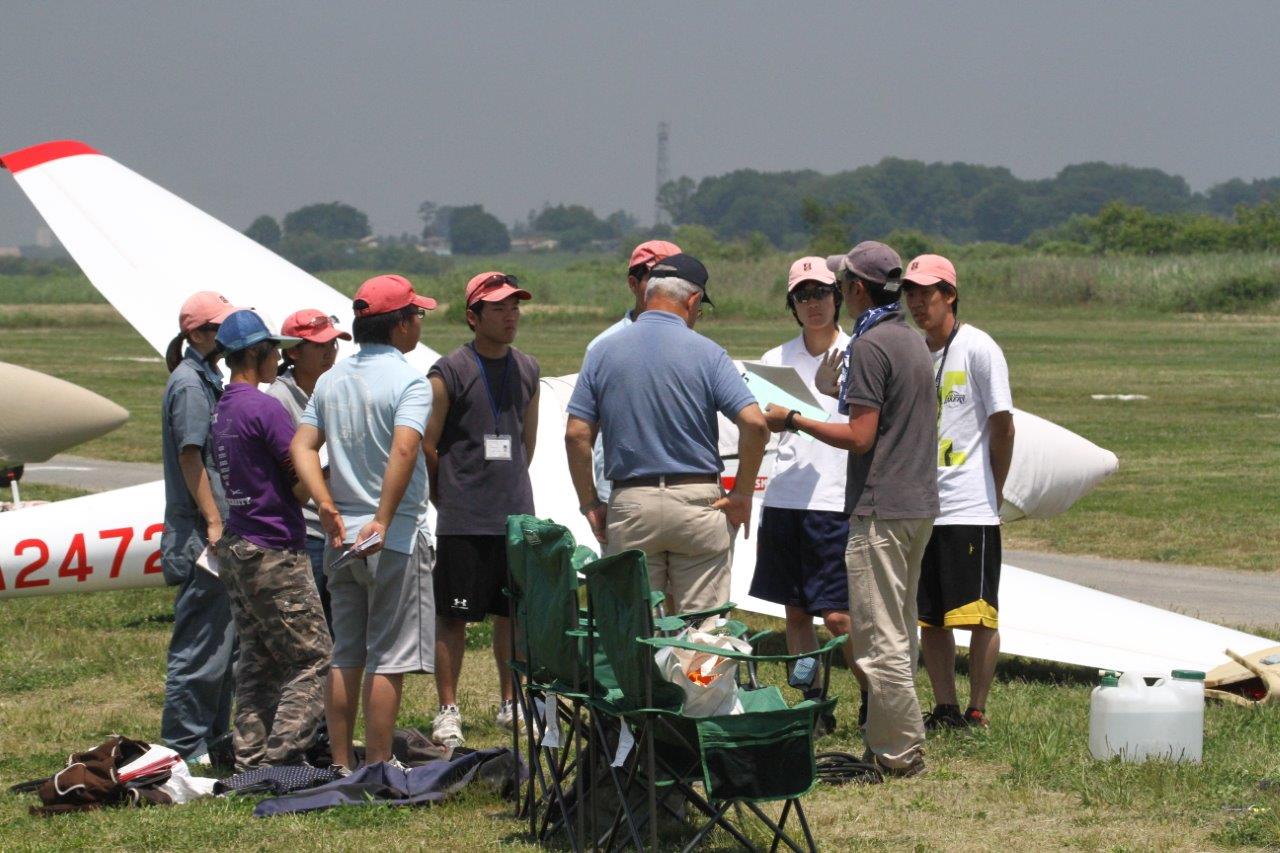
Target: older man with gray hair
x,y
654,389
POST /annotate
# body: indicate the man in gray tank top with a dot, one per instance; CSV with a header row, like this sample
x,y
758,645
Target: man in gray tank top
x,y
478,443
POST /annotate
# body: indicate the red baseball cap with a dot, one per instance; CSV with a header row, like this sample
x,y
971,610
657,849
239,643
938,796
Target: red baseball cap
x,y
930,269
811,268
494,286
651,251
386,293
312,324
203,307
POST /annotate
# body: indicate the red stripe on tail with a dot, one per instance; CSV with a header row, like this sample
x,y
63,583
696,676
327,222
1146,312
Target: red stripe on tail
x,y
44,152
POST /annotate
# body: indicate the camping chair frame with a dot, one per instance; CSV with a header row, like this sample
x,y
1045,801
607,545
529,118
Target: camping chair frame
x,y
653,719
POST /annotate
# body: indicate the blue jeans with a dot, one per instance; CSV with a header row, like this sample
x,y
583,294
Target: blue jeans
x,y
315,548
197,689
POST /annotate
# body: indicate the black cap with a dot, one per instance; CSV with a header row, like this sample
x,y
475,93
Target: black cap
x,y
684,267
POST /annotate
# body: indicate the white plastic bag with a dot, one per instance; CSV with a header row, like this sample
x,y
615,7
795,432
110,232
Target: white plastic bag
x,y
708,680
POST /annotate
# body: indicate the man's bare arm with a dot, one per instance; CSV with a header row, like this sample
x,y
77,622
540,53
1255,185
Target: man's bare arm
x,y
857,434
304,450
753,435
579,438
434,429
1001,450
531,425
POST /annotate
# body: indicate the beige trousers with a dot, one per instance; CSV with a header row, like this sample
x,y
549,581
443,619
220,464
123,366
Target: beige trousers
x,y
883,561
687,544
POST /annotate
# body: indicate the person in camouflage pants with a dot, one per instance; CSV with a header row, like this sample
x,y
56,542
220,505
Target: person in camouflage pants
x,y
284,652
285,647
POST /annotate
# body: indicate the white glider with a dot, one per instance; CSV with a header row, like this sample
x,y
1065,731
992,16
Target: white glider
x,y
134,240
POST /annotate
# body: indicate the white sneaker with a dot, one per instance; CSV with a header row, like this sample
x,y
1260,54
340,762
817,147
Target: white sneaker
x,y
447,727
509,714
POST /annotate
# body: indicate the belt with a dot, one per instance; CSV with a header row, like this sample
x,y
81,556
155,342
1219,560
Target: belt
x,y
667,480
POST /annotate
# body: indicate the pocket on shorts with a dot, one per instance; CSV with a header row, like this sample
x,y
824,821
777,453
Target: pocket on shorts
x,y
243,550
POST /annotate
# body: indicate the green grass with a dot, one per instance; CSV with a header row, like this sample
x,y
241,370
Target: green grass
x,y
95,665
1198,463
1195,458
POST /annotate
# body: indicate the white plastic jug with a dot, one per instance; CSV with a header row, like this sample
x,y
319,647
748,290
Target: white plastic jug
x,y
1137,721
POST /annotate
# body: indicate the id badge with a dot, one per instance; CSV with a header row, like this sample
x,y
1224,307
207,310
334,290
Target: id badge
x,y
497,448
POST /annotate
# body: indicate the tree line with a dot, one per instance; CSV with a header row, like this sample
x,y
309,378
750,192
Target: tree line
x,y
959,202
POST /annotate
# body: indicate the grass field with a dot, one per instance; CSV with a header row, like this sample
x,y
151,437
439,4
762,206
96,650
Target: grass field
x,y
1028,783
1199,463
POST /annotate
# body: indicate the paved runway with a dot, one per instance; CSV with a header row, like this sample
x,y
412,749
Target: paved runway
x,y
1228,597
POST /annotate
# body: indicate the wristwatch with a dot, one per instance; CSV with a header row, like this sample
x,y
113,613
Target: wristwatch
x,y
790,422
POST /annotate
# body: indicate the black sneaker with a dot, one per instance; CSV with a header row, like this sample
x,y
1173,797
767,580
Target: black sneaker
x,y
944,717
915,768
824,725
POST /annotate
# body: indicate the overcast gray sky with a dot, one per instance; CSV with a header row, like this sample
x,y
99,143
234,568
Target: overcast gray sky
x,y
246,108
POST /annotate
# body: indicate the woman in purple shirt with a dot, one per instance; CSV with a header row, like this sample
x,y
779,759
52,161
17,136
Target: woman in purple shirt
x,y
284,642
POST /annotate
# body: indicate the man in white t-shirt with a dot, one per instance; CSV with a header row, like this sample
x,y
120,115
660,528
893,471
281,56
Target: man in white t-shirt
x,y
804,528
960,574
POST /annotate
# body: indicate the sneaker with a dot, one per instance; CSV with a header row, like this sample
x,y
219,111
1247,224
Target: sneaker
x,y
447,727
509,715
974,718
342,771
944,717
915,768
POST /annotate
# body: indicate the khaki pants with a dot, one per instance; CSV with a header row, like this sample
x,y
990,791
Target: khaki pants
x,y
686,543
883,561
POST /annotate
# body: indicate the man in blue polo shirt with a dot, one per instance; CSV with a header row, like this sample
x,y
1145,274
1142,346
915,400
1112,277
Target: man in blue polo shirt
x,y
653,389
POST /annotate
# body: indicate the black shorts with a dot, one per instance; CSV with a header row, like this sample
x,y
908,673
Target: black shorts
x,y
800,559
960,577
470,576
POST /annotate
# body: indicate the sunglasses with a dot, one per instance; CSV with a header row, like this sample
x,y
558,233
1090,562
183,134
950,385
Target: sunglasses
x,y
807,294
496,280
319,322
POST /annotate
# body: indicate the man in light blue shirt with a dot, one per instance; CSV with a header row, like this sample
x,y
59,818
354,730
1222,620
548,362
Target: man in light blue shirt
x,y
653,390
370,411
643,257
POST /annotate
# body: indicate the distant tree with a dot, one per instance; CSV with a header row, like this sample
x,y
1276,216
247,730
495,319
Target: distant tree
x,y
829,226
673,197
264,230
473,231
563,218
620,223
435,220
332,221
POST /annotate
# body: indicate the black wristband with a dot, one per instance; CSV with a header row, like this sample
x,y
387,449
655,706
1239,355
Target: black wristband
x,y
790,422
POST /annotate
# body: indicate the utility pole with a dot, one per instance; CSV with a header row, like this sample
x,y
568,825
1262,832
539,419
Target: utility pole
x,y
660,216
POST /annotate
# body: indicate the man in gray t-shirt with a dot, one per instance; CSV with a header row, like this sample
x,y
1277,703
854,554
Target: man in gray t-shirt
x,y
891,494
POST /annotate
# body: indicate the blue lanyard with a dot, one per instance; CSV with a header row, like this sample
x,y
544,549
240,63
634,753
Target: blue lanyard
x,y
494,405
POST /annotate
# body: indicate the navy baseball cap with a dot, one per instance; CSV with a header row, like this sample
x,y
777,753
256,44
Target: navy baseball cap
x,y
684,267
244,328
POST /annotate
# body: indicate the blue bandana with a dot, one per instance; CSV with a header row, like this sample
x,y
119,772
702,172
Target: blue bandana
x,y
868,318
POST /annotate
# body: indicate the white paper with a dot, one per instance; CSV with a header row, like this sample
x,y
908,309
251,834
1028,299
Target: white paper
x,y
209,562
626,741
781,385
357,549
550,727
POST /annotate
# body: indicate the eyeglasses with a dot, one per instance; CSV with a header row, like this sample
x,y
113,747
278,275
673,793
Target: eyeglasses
x,y
809,293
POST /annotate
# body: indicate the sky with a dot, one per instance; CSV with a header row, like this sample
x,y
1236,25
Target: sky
x,y
249,108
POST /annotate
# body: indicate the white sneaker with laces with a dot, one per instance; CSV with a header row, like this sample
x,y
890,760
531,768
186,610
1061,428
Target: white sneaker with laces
x,y
447,727
509,714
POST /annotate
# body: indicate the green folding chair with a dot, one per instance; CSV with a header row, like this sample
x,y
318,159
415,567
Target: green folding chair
x,y
547,661
668,753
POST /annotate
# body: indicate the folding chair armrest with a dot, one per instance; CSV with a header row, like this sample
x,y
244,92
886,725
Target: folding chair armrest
x,y
755,638
665,642
718,610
